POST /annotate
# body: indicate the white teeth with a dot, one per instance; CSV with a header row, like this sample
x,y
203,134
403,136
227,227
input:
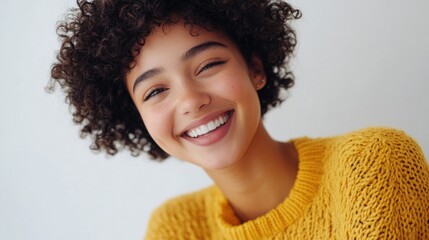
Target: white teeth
x,y
217,122
206,128
211,126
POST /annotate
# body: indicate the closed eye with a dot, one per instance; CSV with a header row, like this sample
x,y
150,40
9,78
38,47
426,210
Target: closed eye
x,y
154,93
210,65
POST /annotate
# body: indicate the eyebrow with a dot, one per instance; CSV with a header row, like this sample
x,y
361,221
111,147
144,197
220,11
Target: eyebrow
x,y
187,55
148,74
199,48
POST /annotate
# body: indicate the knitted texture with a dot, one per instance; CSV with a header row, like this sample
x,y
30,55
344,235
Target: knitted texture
x,y
369,184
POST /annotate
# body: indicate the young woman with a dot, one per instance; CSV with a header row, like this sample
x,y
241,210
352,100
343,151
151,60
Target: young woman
x,y
192,79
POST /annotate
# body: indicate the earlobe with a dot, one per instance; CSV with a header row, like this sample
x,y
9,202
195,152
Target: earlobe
x,y
257,72
260,84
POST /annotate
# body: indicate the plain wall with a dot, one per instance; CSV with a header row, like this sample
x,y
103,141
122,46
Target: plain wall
x,y
358,64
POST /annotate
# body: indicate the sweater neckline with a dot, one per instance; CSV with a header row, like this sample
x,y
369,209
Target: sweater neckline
x,y
310,154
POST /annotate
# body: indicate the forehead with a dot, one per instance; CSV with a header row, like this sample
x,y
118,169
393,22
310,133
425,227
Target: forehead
x,y
167,43
180,35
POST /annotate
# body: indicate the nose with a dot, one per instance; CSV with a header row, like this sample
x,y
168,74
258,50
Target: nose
x,y
192,100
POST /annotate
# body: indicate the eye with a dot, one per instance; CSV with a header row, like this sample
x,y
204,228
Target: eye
x,y
210,65
154,93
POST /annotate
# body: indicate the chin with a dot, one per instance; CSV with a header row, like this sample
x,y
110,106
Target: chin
x,y
216,162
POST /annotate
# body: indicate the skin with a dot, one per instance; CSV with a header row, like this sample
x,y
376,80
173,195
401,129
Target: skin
x,y
181,81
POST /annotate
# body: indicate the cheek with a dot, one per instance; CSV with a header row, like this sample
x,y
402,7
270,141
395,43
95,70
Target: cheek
x,y
158,125
240,89
236,83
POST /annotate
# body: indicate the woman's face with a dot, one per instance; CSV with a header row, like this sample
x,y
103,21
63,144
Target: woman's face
x,y
196,95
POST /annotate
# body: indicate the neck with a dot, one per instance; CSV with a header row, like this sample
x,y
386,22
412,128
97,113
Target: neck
x,y
261,179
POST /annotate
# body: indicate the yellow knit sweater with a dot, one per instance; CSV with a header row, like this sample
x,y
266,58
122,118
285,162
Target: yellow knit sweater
x,y
369,184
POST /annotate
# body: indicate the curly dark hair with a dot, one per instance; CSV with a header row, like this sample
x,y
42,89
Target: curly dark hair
x,y
101,38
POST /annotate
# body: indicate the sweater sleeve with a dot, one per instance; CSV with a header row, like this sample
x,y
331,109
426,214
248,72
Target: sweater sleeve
x,y
383,192
161,224
179,218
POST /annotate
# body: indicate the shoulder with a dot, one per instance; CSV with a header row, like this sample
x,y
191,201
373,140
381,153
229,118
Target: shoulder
x,y
374,143
378,163
379,177
369,160
372,157
382,153
181,215
365,148
387,157
379,142
378,150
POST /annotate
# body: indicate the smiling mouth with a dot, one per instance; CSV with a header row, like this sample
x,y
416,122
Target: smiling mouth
x,y
209,127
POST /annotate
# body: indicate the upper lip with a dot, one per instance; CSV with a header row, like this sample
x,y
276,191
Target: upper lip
x,y
204,120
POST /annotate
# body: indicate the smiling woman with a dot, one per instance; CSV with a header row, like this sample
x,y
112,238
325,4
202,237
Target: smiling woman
x,y
193,80
101,40
189,83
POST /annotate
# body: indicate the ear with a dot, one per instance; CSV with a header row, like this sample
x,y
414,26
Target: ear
x,y
257,72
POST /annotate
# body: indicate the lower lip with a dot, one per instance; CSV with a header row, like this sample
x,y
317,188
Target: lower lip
x,y
213,136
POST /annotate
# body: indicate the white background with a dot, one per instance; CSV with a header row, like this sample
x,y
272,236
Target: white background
x,y
358,64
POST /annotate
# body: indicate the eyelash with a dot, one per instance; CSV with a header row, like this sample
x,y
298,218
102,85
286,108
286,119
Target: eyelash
x,y
157,91
154,92
210,65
